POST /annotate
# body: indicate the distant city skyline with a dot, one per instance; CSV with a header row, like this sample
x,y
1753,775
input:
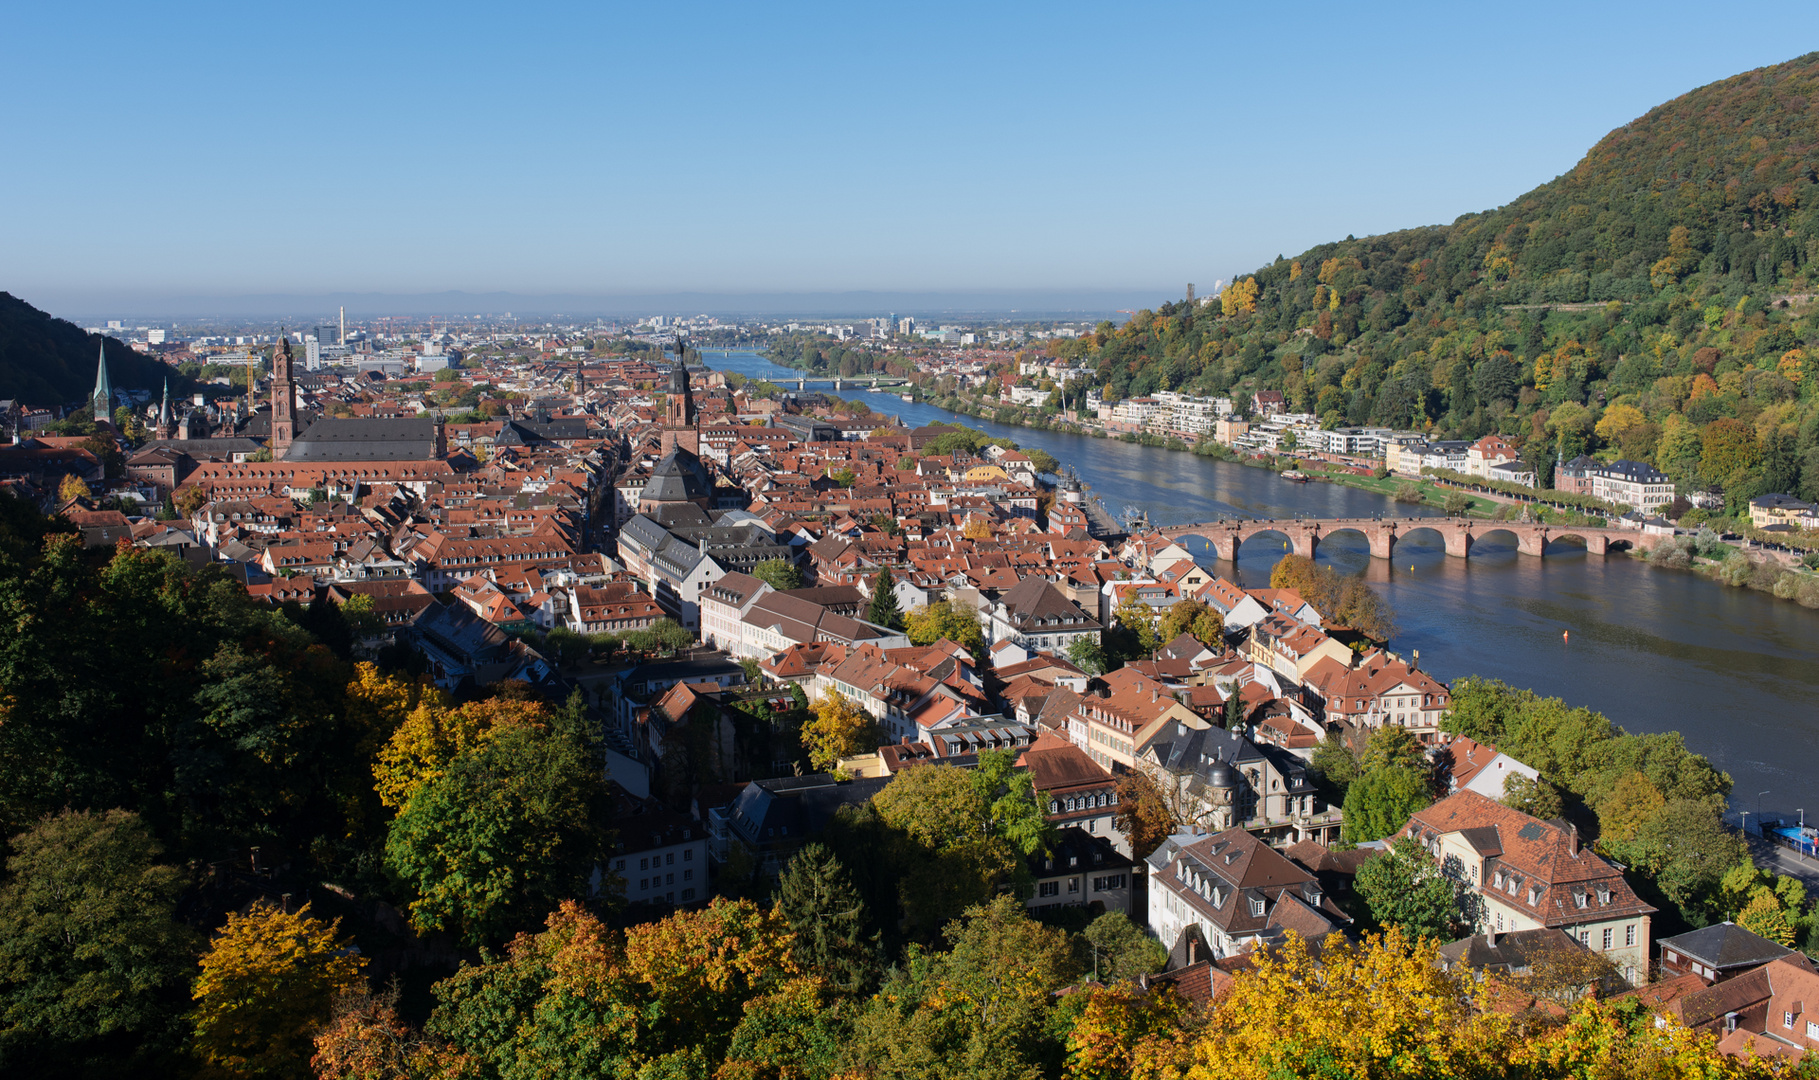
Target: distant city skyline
x,y
183,161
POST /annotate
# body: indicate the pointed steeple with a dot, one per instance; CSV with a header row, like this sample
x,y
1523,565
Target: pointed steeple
x,y
103,397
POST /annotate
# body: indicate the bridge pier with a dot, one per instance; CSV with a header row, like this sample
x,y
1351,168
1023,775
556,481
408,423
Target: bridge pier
x,y
1532,542
1224,543
1306,540
1383,541
1598,544
1459,542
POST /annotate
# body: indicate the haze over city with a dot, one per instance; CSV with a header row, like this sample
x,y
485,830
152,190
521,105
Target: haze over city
x,y
617,158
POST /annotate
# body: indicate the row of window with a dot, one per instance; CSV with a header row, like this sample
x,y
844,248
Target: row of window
x,y
1083,802
669,859
646,884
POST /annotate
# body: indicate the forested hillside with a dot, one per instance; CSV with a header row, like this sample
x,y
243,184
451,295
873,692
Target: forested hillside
x,y
47,361
1650,303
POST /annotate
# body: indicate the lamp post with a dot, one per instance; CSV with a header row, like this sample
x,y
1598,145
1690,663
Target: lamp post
x,y
1759,796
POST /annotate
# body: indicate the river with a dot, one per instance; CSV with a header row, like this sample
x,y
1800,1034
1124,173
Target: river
x,y
1735,671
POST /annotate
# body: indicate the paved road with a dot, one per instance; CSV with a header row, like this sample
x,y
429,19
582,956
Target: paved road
x,y
1785,861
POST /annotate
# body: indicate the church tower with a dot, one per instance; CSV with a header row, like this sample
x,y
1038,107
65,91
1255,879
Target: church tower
x,y
284,399
167,427
103,397
679,419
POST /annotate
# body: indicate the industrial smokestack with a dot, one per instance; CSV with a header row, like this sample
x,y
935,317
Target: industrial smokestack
x,y
341,339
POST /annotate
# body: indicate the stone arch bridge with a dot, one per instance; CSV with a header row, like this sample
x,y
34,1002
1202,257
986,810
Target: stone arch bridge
x,y
1304,534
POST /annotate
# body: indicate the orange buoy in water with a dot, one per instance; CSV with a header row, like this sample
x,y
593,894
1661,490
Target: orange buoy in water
x,y
1564,634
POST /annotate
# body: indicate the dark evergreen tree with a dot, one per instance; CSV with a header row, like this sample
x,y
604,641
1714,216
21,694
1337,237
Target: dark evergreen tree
x,y
884,610
834,937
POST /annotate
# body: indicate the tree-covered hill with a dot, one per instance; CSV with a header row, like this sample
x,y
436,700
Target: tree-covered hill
x,y
49,361
1647,304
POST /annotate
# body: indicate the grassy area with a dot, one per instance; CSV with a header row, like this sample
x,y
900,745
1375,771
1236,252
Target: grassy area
x,y
1431,494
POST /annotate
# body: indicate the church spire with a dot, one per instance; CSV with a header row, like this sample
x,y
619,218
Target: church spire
x,y
103,397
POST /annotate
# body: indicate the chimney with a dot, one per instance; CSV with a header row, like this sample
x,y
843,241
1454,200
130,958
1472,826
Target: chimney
x,y
1193,951
1572,841
1490,937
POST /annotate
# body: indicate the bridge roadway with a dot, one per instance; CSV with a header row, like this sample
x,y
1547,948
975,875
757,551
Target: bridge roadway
x,y
1304,534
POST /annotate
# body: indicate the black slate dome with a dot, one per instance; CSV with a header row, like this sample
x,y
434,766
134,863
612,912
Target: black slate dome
x,y
679,477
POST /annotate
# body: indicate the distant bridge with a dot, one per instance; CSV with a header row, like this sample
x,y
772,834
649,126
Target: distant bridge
x,y
1304,534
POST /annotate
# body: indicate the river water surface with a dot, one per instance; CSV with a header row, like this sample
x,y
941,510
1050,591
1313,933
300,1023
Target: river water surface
x,y
1735,671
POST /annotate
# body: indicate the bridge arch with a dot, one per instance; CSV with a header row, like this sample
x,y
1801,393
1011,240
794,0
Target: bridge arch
x,y
1380,542
1269,536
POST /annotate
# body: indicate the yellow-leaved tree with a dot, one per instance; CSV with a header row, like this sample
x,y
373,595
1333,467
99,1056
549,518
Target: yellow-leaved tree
x,y
268,981
431,736
1382,1007
378,704
72,487
840,729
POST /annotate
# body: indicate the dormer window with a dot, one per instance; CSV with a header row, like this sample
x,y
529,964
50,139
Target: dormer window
x,y
1579,899
1534,894
1257,906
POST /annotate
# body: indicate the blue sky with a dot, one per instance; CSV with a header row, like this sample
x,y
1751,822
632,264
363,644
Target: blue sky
x,y
191,151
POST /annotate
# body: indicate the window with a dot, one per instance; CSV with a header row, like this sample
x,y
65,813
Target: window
x,y
1812,1029
1787,1020
620,865
1073,884
689,875
1051,888
644,883
687,895
1114,881
1585,938
1629,934
688,855
1257,906
671,880
1607,937
1054,807
671,858
644,864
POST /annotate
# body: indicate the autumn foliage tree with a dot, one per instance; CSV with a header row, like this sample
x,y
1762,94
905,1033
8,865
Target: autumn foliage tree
x,y
267,983
840,729
1144,815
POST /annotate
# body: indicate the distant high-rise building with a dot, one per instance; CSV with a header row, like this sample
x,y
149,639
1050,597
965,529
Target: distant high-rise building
x,y
312,354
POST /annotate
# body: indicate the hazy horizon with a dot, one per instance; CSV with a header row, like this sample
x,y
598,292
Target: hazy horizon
x,y
1034,305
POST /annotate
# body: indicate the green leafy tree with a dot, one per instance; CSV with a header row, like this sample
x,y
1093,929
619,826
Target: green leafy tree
x,y
1381,801
1686,849
1012,809
779,574
1536,797
1336,767
94,966
1404,888
1121,949
1087,654
1140,619
834,938
981,1010
883,609
507,831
